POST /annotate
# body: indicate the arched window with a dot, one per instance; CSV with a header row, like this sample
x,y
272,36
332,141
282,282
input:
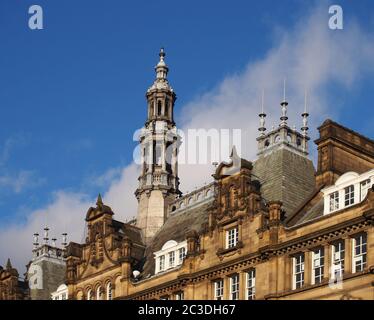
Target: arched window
x,y
159,108
166,107
89,294
99,293
109,293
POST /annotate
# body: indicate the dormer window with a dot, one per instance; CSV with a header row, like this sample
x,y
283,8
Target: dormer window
x,y
182,254
349,195
170,256
364,188
334,201
350,189
171,259
161,263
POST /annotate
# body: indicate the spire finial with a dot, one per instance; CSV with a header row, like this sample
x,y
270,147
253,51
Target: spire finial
x,y
234,153
262,115
162,54
284,105
8,264
161,68
99,200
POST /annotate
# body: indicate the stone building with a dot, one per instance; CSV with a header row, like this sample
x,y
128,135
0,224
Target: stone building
x,y
47,268
272,228
11,286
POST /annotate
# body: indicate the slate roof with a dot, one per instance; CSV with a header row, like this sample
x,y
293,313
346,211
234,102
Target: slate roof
x,y
285,176
175,228
133,232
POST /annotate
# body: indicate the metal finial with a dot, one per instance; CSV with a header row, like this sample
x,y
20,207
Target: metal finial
x,y
284,105
64,239
262,115
162,54
36,240
305,115
46,237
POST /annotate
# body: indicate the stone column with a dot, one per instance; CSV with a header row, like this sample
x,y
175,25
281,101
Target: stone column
x,y
308,264
327,261
370,247
242,285
347,255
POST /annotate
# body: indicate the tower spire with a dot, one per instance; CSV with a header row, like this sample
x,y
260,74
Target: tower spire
x,y
284,105
262,115
99,201
8,264
159,142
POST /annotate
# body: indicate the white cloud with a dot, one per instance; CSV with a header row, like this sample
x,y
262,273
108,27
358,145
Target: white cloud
x,y
310,55
24,179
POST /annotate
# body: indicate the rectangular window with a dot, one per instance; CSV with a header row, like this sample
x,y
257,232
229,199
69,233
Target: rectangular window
x,y
298,271
179,295
182,254
234,287
218,289
161,263
171,259
364,188
251,284
359,252
232,237
338,253
334,201
318,264
349,195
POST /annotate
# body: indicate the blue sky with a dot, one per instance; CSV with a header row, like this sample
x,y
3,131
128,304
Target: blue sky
x,y
72,95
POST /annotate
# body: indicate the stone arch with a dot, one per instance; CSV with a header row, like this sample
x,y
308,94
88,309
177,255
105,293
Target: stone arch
x,y
79,294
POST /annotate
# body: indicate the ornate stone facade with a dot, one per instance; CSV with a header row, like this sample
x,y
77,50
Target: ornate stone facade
x,y
261,232
11,287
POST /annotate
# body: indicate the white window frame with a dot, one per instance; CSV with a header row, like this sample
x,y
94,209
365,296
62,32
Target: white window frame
x,y
232,237
181,255
89,294
298,268
250,282
349,195
171,256
359,242
179,295
218,289
234,287
334,201
99,293
109,291
161,263
364,188
337,259
318,263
